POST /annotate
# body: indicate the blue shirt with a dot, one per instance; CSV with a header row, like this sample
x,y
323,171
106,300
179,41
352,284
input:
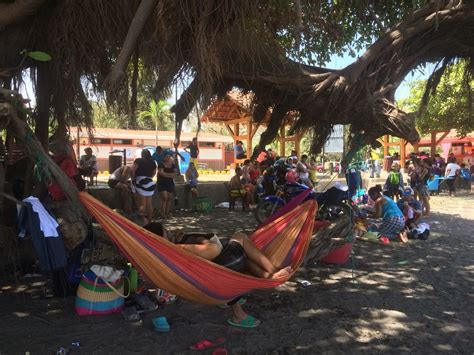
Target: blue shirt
x,y
390,208
238,150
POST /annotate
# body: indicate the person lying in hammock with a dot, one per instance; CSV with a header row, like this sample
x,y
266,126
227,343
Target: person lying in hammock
x,y
239,254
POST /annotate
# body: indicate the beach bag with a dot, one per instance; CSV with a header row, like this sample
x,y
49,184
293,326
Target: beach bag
x,y
394,179
101,291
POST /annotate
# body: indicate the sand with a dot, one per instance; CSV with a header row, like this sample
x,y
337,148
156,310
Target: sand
x,y
416,298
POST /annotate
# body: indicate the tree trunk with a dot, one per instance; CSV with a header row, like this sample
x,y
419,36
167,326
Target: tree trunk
x,y
43,96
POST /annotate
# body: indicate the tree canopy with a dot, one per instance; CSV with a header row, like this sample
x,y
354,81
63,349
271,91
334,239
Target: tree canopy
x,y
450,106
269,47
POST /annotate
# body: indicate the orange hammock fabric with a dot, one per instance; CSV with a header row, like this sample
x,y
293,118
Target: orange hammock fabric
x,y
285,241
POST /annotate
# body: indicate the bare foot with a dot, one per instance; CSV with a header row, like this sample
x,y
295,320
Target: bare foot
x,y
403,237
285,272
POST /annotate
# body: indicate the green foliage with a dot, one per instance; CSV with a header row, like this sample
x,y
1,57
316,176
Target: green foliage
x,y
157,116
450,107
37,55
331,27
106,118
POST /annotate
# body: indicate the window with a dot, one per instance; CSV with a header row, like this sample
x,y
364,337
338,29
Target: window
x,y
100,141
206,144
122,141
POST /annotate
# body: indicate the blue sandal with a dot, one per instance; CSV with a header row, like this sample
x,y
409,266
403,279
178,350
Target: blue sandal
x,y
161,324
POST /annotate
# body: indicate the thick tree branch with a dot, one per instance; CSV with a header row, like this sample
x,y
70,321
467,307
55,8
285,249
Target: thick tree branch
x,y
13,13
144,11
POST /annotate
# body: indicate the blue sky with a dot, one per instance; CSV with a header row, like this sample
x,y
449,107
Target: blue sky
x,y
403,91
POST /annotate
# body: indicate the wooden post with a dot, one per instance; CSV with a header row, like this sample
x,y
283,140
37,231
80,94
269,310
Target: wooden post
x,y
385,145
416,147
249,137
403,153
282,141
297,144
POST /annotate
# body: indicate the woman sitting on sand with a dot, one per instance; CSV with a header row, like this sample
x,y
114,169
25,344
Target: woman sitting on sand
x,y
393,222
239,254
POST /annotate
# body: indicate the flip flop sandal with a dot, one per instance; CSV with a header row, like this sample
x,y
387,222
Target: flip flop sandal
x,y
206,344
220,351
160,324
249,322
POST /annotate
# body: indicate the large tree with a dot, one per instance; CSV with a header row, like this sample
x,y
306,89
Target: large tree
x,y
268,46
450,106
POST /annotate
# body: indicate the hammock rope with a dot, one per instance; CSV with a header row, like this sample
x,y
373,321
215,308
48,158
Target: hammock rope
x,y
284,241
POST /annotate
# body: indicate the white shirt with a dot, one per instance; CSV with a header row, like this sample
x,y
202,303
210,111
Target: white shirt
x,y
452,167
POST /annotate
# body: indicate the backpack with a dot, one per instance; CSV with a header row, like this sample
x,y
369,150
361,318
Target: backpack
x,y
394,179
465,174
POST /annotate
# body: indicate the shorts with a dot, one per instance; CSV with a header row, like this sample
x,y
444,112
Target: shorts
x,y
232,256
143,185
238,192
423,190
194,161
112,183
165,186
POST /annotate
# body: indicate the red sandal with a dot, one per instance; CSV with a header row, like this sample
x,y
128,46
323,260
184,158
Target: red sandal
x,y
206,344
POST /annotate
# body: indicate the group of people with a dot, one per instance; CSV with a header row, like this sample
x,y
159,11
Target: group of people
x,y
413,201
260,175
398,218
139,178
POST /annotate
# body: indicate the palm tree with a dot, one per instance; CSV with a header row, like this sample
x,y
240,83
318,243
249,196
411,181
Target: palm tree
x,y
158,113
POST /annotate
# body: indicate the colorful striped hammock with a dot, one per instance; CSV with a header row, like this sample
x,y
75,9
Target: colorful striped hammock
x,y
285,241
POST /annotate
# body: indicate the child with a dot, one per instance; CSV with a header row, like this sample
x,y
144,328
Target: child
x,y
237,189
410,207
191,178
394,183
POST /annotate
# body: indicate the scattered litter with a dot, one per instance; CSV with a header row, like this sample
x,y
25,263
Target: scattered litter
x,y
131,314
304,283
276,295
222,205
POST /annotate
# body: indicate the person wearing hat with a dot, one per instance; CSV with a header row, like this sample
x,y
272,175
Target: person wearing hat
x,y
410,207
88,165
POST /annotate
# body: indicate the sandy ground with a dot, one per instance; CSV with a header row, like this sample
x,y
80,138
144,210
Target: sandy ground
x,y
412,298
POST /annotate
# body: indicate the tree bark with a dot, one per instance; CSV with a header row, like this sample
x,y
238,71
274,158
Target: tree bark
x,y
17,11
43,95
22,132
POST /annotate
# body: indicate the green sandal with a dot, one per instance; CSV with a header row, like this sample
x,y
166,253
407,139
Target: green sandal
x,y
249,322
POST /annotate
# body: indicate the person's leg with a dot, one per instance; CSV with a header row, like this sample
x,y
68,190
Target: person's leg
x,y
426,204
257,262
123,191
169,199
149,207
163,202
450,182
141,205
